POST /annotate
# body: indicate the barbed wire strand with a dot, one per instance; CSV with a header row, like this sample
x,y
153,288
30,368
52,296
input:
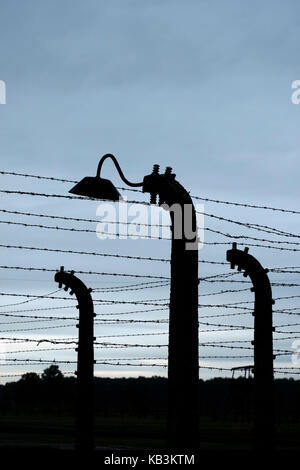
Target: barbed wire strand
x,y
205,199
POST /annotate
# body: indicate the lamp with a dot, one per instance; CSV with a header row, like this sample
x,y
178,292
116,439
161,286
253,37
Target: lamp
x,y
100,188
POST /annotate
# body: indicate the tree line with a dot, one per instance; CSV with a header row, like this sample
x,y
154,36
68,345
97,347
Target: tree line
x,y
219,398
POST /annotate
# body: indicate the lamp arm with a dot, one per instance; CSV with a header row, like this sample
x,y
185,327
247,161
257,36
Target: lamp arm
x,y
109,155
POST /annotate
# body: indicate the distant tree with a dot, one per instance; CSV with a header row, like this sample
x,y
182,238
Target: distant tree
x,y
28,391
30,378
52,387
52,374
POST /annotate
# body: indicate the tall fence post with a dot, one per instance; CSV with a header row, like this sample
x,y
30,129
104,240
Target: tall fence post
x,y
263,346
183,367
85,360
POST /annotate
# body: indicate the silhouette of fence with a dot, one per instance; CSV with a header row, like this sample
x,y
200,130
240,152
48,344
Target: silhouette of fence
x,y
32,335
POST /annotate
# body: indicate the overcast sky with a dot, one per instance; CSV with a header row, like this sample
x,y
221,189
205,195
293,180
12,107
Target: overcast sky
x,y
202,86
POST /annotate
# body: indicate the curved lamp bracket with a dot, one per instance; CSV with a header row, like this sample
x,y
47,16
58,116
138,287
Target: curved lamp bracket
x,y
113,158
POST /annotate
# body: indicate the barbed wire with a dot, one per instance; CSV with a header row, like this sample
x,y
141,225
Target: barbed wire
x,y
36,297
201,295
106,345
287,297
224,306
285,310
284,267
240,327
93,253
35,361
71,318
13,340
288,324
86,230
59,318
36,350
59,180
80,219
252,226
238,237
38,340
159,333
139,302
60,196
157,237
227,274
226,291
163,279
241,281
36,321
253,244
287,313
109,274
277,271
126,345
158,283
24,373
125,358
12,375
128,302
44,296
284,284
271,230
110,363
13,313
217,201
12,173
223,315
38,328
285,372
120,289
250,206
281,370
287,332
53,270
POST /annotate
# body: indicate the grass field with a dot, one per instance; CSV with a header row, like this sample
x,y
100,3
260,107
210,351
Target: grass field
x,y
129,431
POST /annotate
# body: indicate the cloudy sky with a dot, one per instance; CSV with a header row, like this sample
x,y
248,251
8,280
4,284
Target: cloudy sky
x,y
202,86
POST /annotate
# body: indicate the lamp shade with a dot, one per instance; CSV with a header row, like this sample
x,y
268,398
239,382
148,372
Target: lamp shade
x,y
95,187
